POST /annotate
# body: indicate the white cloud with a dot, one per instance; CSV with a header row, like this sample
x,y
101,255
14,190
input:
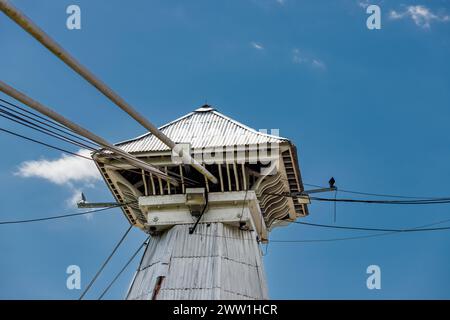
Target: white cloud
x,y
363,3
318,64
299,58
256,45
421,15
65,170
74,198
268,4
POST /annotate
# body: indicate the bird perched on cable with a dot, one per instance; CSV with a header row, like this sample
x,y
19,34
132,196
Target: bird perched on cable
x,y
332,182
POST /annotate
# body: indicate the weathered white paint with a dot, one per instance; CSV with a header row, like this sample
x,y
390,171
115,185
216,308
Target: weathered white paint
x,y
232,208
218,261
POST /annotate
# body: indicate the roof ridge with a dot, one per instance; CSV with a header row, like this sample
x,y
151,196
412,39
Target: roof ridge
x,y
203,111
159,128
247,127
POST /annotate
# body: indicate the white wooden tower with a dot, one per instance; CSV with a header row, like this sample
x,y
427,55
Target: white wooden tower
x,y
220,257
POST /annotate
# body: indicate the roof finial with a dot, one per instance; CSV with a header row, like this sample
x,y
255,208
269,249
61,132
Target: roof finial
x,y
205,108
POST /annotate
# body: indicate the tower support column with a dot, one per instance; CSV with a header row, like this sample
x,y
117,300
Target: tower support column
x,y
218,261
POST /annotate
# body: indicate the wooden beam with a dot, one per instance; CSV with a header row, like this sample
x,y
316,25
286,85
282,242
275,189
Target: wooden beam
x,y
244,176
207,184
153,184
161,189
168,184
144,179
220,177
229,177
183,187
236,176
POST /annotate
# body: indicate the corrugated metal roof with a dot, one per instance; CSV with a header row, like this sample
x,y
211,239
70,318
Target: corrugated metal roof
x,y
217,262
203,128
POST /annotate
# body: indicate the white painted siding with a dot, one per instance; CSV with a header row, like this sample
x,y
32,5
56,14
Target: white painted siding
x,y
217,262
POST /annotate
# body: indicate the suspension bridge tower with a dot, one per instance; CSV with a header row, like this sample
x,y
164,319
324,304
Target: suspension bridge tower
x,y
205,237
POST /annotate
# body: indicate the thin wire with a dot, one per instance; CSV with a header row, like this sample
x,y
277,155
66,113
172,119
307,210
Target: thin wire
x,y
404,202
43,143
51,125
411,202
57,148
370,229
34,126
243,207
357,237
225,237
58,217
421,228
312,240
192,229
59,136
123,269
305,240
51,133
172,175
105,263
67,151
137,270
392,231
35,114
373,194
320,199
43,130
21,116
332,239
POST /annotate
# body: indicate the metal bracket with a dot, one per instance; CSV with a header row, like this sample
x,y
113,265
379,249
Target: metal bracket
x,y
192,229
84,205
306,192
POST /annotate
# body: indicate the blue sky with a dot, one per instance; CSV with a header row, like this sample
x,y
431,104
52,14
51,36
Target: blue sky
x,y
370,108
